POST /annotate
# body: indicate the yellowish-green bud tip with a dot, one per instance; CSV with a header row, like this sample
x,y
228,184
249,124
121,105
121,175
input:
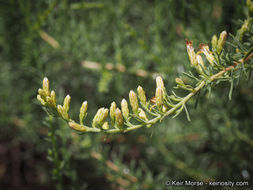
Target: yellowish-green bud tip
x,y
142,114
124,108
112,110
118,118
179,81
105,126
53,98
159,96
209,56
133,101
141,94
159,82
200,62
100,117
221,41
83,111
66,103
45,86
214,42
62,112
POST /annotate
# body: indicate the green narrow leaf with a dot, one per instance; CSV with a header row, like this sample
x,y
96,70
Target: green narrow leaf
x,y
191,75
231,44
178,111
244,70
239,76
187,113
231,87
197,100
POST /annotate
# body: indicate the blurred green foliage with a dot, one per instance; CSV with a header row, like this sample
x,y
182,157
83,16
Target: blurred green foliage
x,y
52,38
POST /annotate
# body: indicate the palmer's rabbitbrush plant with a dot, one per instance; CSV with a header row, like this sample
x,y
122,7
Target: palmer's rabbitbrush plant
x,y
211,66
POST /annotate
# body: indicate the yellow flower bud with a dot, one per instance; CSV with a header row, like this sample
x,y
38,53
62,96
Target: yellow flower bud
x,y
112,110
105,126
83,111
191,53
53,98
60,109
45,86
179,81
42,93
97,117
77,127
200,62
62,112
221,41
141,94
105,114
159,96
100,117
142,114
209,56
214,42
124,108
133,101
41,100
164,108
50,101
118,118
159,82
66,103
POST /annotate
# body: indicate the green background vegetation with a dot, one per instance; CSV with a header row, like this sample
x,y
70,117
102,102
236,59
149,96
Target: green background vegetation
x,y
139,35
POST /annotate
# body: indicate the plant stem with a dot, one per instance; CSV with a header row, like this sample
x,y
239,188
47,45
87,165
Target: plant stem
x,y
54,155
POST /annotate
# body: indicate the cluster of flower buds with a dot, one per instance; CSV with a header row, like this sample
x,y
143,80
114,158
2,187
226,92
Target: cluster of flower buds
x,y
217,44
162,104
46,97
63,110
116,114
100,117
196,59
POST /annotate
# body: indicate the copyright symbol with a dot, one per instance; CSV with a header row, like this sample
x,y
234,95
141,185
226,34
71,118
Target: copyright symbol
x,y
167,183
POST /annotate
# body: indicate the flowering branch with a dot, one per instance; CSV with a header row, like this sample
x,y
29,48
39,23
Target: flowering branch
x,y
219,66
